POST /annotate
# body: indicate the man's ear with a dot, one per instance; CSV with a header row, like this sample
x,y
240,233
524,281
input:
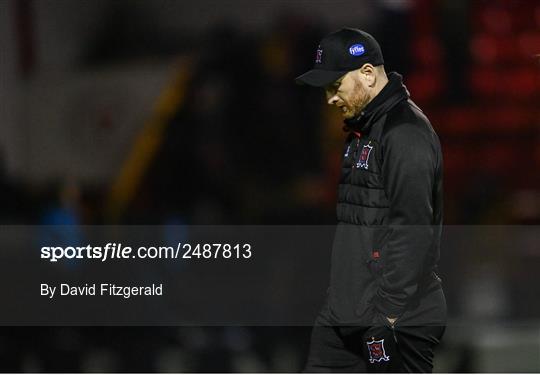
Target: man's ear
x,y
368,73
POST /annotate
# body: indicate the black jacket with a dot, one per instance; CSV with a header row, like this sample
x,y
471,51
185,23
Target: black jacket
x,y
389,213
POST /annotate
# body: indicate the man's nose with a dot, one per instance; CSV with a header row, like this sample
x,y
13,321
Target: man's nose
x,y
333,99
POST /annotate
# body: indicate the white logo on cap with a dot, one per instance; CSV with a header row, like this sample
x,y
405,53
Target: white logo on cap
x,y
318,57
357,49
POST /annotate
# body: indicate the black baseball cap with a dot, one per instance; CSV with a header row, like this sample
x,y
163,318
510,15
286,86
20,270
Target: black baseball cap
x,y
340,52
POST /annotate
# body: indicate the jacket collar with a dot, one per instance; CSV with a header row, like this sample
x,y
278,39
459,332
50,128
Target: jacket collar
x,y
392,93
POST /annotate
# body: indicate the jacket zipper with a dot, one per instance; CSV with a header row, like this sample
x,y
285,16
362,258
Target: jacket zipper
x,y
355,153
394,332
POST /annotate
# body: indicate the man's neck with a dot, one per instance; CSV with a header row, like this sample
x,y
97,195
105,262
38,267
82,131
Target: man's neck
x,y
379,85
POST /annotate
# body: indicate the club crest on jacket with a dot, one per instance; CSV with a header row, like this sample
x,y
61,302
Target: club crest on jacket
x,y
364,157
376,351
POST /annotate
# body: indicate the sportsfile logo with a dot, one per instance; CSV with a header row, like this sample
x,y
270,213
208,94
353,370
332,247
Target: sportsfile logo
x,y
119,252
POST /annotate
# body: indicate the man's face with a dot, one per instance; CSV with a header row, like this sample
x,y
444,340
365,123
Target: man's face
x,y
348,94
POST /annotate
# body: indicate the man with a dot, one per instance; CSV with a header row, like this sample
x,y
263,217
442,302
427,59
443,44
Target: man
x,y
385,309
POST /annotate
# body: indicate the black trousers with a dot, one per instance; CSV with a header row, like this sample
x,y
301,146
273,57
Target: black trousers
x,y
380,348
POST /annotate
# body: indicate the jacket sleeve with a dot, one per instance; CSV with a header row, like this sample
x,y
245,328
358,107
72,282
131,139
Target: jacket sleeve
x,y
409,165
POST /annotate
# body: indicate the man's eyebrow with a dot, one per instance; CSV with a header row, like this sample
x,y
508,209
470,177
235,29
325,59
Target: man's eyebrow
x,y
334,84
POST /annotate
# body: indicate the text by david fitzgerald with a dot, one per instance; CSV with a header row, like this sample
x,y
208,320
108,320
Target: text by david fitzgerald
x,y
101,290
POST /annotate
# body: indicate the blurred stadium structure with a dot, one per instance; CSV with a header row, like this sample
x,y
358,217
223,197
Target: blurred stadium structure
x,y
160,112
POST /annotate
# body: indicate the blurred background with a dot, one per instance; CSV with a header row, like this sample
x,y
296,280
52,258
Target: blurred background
x,y
180,112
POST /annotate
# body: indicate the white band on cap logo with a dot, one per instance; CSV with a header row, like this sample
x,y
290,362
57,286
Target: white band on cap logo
x,y
357,49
